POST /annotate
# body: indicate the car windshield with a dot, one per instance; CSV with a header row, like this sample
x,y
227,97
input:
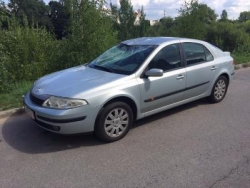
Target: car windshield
x,y
122,58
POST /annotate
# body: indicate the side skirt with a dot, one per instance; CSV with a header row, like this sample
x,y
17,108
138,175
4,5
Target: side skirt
x,y
172,105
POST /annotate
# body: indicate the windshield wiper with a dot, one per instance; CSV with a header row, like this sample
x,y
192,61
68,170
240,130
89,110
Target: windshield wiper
x,y
104,68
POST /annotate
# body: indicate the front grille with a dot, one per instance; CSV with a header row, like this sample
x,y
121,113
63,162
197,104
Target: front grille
x,y
36,100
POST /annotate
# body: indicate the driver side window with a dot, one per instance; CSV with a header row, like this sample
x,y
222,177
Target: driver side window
x,y
168,58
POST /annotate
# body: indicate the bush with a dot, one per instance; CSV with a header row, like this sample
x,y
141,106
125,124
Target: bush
x,y
25,53
91,33
228,37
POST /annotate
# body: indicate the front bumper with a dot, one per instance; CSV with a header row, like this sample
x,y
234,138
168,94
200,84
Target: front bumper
x,y
70,121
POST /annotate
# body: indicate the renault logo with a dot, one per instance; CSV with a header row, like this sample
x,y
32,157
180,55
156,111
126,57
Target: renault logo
x,y
38,90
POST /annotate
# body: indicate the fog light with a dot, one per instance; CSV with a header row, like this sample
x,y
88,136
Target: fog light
x,y
56,128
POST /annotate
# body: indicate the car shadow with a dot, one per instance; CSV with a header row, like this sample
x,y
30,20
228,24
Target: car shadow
x,y
170,112
22,134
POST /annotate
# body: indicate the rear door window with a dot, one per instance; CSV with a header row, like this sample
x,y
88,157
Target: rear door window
x,y
196,53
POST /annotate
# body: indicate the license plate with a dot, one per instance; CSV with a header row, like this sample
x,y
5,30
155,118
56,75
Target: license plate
x,y
30,112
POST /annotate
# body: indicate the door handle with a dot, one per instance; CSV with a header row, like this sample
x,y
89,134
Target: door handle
x,y
180,77
213,68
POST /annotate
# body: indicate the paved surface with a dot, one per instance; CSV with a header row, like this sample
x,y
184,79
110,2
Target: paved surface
x,y
196,145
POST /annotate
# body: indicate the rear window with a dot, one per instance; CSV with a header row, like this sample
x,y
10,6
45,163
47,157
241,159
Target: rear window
x,y
216,47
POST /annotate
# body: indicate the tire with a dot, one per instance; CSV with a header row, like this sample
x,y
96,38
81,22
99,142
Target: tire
x,y
219,90
114,122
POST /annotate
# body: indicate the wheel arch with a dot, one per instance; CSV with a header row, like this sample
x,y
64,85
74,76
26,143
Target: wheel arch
x,y
210,89
125,99
211,96
225,75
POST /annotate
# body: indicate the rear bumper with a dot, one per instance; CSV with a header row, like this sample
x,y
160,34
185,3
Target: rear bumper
x,y
70,121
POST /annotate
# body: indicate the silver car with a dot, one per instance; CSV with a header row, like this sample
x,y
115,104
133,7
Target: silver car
x,y
132,80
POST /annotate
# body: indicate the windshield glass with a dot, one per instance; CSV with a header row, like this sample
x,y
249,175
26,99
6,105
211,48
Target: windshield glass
x,y
122,59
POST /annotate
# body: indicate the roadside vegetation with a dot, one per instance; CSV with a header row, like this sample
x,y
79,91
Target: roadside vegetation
x,y
37,39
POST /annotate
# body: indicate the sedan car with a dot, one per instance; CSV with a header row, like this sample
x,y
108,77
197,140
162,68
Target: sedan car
x,y
132,80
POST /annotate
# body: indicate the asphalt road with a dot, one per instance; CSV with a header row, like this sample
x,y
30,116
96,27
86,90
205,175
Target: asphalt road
x,y
197,145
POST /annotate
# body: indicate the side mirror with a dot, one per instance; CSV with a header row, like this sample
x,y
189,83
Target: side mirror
x,y
154,73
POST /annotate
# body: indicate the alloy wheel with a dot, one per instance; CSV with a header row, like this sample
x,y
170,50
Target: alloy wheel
x,y
116,122
220,89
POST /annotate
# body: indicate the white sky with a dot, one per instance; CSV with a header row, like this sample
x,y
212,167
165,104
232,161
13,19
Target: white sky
x,y
155,8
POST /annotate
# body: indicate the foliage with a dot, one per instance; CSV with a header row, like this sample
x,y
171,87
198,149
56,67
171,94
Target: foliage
x,y
142,26
204,13
240,58
165,27
126,22
245,26
28,52
194,20
60,18
13,98
244,16
35,11
24,53
224,16
4,15
124,19
91,33
228,37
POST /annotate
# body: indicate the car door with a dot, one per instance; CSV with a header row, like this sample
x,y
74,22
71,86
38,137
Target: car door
x,y
157,92
200,67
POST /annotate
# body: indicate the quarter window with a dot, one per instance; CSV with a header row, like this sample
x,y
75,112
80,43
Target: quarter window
x,y
209,56
196,53
168,58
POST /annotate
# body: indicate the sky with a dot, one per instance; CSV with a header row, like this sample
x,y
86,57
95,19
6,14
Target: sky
x,y
154,9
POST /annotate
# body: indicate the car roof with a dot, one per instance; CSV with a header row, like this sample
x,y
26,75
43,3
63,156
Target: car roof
x,y
158,40
150,40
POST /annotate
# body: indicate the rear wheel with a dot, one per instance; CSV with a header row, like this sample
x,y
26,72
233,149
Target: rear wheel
x,y
114,122
219,90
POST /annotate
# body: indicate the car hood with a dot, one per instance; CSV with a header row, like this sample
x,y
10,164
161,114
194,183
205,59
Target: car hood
x,y
73,82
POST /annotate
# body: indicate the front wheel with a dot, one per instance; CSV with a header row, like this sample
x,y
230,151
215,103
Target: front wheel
x,y
114,122
219,90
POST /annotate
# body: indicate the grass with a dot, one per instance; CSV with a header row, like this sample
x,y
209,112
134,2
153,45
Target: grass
x,y
13,99
241,58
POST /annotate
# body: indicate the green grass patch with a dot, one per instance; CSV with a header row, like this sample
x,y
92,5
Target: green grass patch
x,y
13,99
241,58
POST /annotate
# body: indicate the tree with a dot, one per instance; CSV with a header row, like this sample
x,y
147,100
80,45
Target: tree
x,y
244,16
245,26
60,18
35,10
4,15
142,25
224,16
90,34
165,27
25,53
204,13
168,22
228,37
124,19
194,19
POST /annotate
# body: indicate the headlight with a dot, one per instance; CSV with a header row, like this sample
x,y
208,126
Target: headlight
x,y
63,103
